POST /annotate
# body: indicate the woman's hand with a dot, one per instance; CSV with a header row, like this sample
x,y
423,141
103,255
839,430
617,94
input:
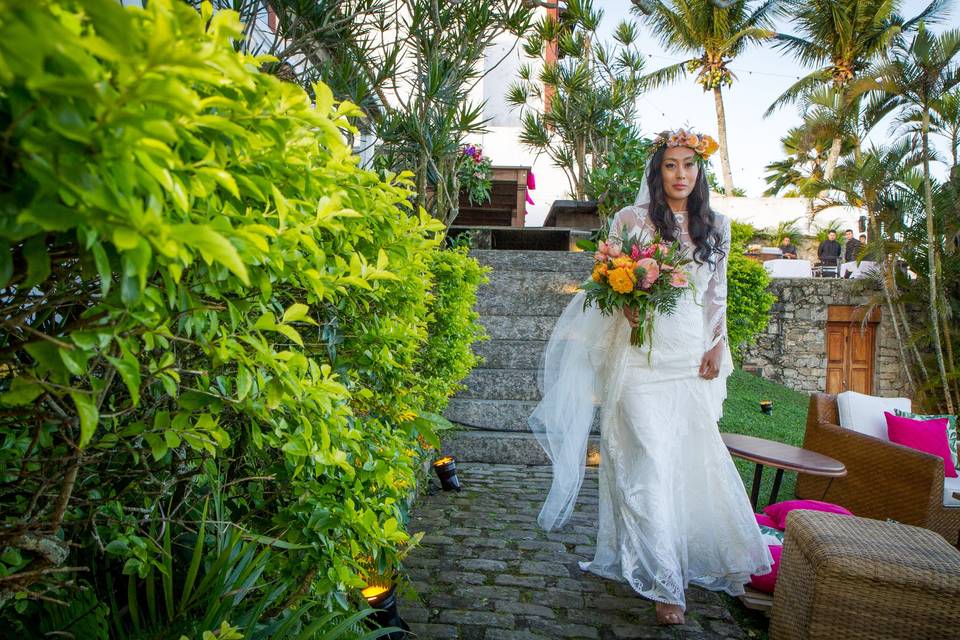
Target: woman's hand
x,y
710,363
632,316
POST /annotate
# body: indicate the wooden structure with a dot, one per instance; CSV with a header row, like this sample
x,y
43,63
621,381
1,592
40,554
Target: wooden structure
x,y
507,206
851,344
573,214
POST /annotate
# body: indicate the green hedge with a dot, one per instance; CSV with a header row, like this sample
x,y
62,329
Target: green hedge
x,y
213,322
748,300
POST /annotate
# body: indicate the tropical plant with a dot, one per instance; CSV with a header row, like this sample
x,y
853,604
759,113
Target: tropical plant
x,y
841,39
784,229
944,122
409,65
885,182
616,177
572,109
825,228
434,115
714,34
202,296
799,173
916,74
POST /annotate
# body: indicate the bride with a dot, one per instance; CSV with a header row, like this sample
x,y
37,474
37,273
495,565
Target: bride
x,y
673,510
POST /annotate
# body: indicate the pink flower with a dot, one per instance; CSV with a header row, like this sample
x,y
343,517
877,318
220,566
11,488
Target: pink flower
x,y
603,248
679,279
600,256
648,251
635,252
614,250
651,271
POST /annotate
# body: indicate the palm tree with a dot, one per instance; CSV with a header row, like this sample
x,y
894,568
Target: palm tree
x,y
841,39
713,35
915,75
944,121
884,181
573,110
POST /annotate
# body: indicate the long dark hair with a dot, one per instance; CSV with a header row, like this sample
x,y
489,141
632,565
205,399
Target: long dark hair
x,y
704,233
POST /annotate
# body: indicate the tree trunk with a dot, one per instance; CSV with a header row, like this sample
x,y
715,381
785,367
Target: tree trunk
x,y
832,159
889,274
722,134
932,245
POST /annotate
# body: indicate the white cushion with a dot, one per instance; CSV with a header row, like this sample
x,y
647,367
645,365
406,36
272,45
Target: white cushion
x,y
951,486
863,413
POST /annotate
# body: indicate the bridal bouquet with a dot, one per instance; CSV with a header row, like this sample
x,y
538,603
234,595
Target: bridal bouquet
x,y
648,277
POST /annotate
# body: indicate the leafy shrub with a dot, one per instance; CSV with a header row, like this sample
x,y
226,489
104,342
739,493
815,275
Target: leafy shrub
x,y
453,326
748,300
741,235
202,296
616,178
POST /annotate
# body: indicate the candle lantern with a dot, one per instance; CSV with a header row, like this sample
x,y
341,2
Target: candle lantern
x,y
446,468
766,406
384,600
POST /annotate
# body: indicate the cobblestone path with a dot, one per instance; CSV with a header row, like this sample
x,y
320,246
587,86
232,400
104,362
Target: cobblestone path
x,y
486,571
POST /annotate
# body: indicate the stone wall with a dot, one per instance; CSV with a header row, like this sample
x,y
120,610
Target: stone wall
x,y
793,351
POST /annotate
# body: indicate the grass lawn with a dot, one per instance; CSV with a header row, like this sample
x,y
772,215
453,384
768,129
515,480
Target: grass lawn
x,y
741,414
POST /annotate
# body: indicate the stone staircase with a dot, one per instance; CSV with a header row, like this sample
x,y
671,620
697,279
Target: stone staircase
x,y
527,292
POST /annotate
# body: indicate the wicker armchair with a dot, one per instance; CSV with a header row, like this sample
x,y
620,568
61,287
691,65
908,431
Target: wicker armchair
x,y
884,480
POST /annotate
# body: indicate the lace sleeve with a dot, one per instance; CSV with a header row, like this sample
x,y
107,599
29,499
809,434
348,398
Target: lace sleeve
x,y
626,222
715,297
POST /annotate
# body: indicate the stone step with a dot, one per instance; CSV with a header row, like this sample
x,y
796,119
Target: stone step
x,y
574,261
501,384
510,354
501,447
521,327
501,415
521,303
540,293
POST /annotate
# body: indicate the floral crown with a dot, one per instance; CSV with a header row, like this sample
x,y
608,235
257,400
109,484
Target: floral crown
x,y
701,143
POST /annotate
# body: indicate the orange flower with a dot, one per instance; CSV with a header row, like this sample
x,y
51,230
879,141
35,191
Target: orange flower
x,y
599,272
624,262
692,140
709,147
622,280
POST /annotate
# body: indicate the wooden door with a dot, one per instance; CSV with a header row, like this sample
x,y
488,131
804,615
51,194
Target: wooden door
x,y
851,345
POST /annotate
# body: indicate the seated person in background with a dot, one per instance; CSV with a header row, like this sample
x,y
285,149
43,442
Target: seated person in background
x,y
829,250
851,247
789,251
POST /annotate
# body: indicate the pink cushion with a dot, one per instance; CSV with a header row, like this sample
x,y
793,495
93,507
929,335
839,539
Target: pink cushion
x,y
778,511
768,581
765,520
929,436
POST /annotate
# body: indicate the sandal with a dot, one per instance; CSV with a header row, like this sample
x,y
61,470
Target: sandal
x,y
669,614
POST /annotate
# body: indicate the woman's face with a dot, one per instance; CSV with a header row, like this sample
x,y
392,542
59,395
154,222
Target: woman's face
x,y
679,168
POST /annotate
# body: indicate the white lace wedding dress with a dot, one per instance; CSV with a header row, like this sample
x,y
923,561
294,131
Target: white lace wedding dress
x,y
673,509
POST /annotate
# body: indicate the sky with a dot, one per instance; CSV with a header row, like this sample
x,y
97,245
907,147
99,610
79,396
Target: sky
x,y
762,75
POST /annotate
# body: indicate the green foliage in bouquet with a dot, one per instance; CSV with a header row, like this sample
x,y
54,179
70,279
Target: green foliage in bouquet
x,y
648,277
203,297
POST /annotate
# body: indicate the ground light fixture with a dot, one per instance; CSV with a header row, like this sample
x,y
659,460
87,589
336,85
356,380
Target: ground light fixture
x,y
766,406
383,599
446,468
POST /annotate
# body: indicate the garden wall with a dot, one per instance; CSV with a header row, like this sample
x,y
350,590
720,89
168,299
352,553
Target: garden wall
x,y
793,349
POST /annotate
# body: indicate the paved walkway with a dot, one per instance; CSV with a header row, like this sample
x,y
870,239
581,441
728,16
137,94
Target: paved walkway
x,y
486,571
